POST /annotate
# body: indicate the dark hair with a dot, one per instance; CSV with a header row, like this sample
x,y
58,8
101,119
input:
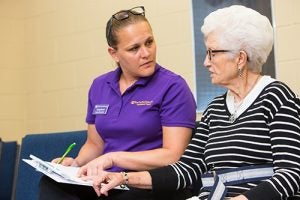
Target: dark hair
x,y
113,26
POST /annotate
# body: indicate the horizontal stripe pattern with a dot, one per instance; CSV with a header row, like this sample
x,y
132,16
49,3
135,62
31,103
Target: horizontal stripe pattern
x,y
267,132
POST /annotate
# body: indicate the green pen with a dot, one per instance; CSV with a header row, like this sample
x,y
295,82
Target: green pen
x,y
70,147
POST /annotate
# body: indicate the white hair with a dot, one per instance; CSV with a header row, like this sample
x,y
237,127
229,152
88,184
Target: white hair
x,y
241,28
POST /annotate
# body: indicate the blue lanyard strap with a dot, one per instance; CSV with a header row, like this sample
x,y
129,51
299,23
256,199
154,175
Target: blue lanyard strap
x,y
217,181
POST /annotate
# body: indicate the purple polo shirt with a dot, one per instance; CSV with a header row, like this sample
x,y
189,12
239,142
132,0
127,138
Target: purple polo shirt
x,y
133,121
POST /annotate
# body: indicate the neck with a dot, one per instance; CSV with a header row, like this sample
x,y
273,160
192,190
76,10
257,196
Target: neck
x,y
125,83
243,86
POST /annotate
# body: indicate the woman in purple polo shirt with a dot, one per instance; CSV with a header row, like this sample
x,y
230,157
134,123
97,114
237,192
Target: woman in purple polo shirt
x,y
140,116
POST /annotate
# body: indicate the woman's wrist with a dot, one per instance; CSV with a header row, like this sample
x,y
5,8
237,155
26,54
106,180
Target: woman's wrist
x,y
109,157
76,163
125,180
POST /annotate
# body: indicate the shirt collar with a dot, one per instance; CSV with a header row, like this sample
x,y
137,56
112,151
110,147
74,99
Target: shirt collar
x,y
115,76
250,98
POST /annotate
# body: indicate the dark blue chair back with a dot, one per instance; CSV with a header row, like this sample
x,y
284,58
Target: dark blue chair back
x,y
7,168
45,146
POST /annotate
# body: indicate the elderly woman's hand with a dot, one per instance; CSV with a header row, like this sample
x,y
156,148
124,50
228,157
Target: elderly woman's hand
x,y
240,197
107,181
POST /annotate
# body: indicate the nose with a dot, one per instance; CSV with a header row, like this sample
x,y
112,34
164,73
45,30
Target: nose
x,y
145,51
206,61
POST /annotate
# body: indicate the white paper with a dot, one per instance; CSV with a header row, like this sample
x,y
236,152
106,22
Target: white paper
x,y
59,173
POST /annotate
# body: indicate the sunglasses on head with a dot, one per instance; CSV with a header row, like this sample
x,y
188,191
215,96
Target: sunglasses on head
x,y
124,14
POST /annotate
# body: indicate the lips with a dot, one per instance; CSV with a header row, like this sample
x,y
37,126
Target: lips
x,y
212,74
145,64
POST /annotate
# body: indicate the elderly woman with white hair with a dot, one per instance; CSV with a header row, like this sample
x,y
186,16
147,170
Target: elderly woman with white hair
x,y
247,144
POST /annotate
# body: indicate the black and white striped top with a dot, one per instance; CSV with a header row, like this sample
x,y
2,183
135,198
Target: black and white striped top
x,y
267,131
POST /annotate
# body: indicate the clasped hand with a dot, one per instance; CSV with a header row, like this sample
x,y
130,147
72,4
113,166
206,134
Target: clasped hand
x,y
105,181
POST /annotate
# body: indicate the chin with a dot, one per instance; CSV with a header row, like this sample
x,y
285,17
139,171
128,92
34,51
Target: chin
x,y
147,72
213,81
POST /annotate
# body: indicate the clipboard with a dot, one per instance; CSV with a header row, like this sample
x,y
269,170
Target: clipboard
x,y
60,173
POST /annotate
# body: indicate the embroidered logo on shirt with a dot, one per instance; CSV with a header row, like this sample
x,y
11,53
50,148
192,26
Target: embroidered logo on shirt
x,y
142,103
100,109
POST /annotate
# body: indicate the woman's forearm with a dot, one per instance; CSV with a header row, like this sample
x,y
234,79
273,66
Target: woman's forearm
x,y
169,153
143,160
87,153
140,180
109,180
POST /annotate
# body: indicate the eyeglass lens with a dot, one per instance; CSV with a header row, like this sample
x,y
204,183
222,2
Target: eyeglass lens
x,y
140,10
209,52
124,14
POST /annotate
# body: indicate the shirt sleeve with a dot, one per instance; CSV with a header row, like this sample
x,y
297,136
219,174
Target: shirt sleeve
x,y
285,145
187,171
163,179
90,118
178,106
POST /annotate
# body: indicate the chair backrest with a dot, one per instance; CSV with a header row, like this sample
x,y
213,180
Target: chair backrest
x,y
0,147
45,146
8,158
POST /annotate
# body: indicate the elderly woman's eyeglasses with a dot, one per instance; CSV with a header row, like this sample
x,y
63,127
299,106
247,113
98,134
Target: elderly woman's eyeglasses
x,y
211,52
124,14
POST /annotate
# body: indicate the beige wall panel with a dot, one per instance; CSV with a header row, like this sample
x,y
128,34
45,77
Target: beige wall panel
x,y
11,107
72,103
88,69
12,129
38,7
40,53
287,20
12,118
42,106
11,53
289,73
13,9
287,40
286,12
183,64
61,124
11,81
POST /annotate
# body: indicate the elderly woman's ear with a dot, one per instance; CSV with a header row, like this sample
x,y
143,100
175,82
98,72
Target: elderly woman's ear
x,y
242,59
